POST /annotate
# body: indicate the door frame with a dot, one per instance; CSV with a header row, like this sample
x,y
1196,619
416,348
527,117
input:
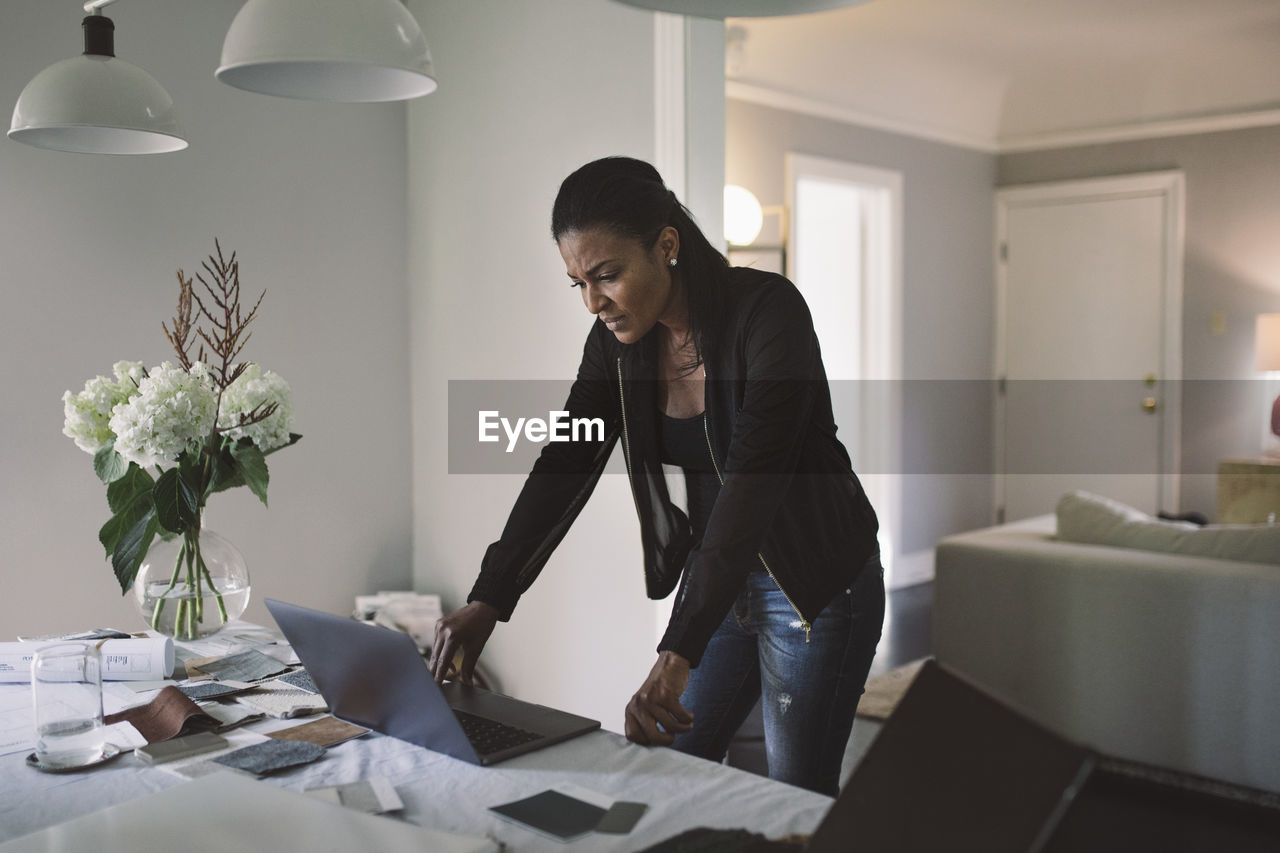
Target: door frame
x,y
1170,186
881,345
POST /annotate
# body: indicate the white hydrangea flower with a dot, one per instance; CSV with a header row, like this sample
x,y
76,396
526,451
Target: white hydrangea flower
x,y
256,387
174,411
88,414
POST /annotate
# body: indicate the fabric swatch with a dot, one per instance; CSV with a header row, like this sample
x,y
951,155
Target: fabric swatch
x,y
211,690
250,665
163,717
327,731
300,679
270,756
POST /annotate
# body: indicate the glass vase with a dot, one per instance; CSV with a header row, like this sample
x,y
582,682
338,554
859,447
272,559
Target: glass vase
x,y
191,585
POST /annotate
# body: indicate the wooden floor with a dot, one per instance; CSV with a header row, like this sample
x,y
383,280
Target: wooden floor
x,y
907,636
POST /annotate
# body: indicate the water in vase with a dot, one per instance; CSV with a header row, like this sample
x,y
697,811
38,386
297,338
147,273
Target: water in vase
x,y
183,615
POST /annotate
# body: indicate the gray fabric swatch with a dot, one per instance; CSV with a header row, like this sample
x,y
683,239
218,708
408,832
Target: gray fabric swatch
x,y
210,690
251,665
273,755
300,679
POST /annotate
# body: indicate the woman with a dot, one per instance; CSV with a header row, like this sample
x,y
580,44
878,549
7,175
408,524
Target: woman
x,y
717,370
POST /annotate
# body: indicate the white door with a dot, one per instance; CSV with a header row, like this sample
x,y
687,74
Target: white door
x,y
845,257
1088,342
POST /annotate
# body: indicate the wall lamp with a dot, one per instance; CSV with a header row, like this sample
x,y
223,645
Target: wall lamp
x,y
328,50
1268,352
743,221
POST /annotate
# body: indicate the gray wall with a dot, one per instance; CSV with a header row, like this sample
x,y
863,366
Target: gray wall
x,y
948,313
528,92
1232,269
312,198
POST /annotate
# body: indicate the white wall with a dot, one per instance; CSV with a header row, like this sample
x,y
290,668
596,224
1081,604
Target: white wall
x,y
528,92
312,198
947,308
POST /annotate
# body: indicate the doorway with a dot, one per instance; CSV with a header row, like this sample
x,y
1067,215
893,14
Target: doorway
x,y
1088,342
846,258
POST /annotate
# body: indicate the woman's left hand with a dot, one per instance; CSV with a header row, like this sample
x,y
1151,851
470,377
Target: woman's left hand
x,y
654,714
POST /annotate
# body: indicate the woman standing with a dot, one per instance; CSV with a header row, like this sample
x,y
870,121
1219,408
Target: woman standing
x,y
715,369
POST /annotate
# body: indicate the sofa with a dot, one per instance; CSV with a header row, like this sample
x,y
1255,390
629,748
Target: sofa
x,y
1139,650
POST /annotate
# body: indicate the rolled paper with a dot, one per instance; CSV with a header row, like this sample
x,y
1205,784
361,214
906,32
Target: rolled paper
x,y
134,659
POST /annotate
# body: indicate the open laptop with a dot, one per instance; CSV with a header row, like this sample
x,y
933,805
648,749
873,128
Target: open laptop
x,y
375,677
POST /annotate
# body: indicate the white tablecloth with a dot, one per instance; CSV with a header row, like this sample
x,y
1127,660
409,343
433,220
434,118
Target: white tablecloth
x,y
446,794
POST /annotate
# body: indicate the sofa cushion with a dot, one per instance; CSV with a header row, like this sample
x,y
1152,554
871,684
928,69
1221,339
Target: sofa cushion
x,y
1096,520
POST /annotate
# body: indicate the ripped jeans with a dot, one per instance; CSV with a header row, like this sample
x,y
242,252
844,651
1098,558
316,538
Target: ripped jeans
x,y
810,690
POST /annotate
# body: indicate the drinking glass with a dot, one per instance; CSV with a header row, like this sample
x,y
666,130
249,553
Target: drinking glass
x,y
66,686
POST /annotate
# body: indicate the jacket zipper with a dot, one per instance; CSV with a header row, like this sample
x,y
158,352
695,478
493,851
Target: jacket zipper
x,y
706,429
626,438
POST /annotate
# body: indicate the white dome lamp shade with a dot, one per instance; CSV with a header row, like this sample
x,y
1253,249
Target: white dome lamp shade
x,y
328,50
96,103
740,8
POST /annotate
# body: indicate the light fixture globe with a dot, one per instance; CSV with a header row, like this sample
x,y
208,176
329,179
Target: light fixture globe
x,y
328,50
96,104
743,216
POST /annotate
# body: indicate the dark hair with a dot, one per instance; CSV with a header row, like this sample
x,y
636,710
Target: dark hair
x,y
627,196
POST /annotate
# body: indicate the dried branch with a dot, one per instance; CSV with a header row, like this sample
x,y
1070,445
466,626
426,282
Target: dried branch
x,y
228,334
183,323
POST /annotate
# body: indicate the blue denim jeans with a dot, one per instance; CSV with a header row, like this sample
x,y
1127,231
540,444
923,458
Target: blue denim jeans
x,y
809,690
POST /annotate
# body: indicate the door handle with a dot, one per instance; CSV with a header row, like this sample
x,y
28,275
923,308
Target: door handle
x,y
1149,405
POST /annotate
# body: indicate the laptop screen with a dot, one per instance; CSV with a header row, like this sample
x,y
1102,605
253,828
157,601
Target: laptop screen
x,y
954,769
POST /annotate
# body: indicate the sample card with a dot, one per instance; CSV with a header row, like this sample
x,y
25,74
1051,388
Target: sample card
x,y
250,665
621,817
555,814
271,755
327,731
212,690
371,796
300,679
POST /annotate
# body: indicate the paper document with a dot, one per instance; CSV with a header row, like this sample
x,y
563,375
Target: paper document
x,y
17,726
135,659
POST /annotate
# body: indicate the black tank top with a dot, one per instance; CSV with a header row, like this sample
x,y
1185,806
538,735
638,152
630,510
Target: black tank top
x,y
683,442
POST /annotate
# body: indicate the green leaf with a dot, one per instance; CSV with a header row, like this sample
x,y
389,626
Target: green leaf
x,y
294,438
253,467
126,490
177,504
130,499
131,550
226,474
109,465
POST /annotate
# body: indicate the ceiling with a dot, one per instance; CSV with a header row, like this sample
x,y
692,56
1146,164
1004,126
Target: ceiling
x,y
1003,75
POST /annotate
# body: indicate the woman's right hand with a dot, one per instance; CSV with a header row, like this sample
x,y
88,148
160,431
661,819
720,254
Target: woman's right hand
x,y
466,629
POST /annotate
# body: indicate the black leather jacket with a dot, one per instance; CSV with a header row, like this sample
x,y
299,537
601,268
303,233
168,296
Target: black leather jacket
x,y
789,504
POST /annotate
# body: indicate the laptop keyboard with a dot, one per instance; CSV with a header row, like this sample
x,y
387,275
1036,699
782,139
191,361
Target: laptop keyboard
x,y
489,736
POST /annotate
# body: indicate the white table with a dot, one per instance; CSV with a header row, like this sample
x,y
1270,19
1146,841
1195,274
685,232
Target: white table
x,y
446,794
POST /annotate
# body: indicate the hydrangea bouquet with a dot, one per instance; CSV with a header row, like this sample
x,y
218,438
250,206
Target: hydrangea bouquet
x,y
163,440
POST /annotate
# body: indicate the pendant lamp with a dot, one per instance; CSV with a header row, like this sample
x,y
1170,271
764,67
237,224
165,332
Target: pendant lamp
x,y
740,8
327,50
96,103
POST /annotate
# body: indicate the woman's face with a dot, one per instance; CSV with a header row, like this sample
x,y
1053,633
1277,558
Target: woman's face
x,y
629,287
